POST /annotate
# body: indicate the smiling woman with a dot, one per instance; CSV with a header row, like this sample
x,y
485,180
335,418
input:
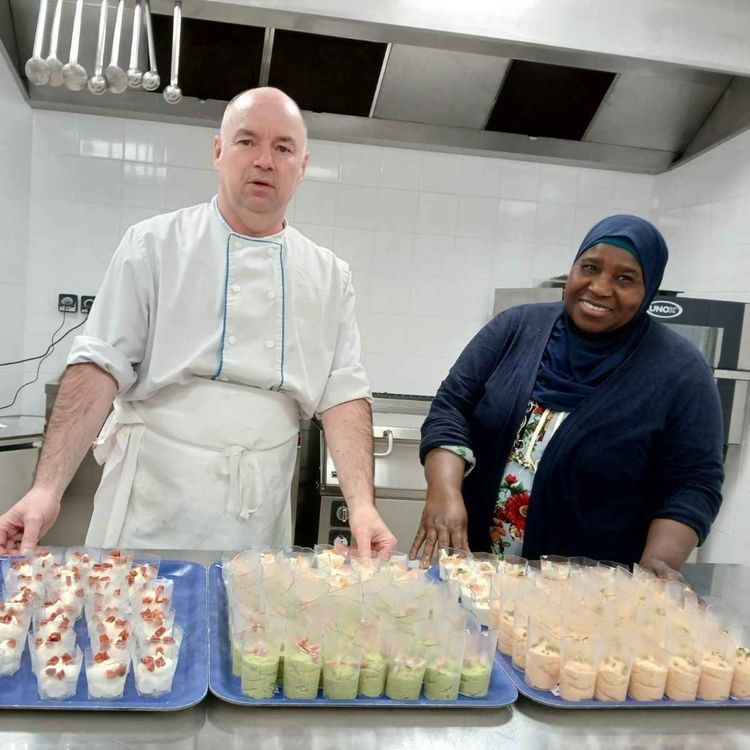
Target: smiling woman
x,y
582,428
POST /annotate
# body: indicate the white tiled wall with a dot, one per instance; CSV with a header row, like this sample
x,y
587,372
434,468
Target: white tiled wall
x,y
15,156
429,235
703,209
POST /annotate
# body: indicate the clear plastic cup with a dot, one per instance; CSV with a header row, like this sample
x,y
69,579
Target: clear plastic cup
x,y
107,593
476,671
26,576
684,668
106,672
613,675
68,589
110,626
14,620
579,666
543,656
47,557
513,566
717,668
11,651
259,665
154,668
144,570
342,658
486,563
303,658
442,677
374,640
300,559
406,665
154,623
366,563
47,652
155,595
455,564
648,673
740,687
240,564
60,681
82,558
555,566
44,627
330,557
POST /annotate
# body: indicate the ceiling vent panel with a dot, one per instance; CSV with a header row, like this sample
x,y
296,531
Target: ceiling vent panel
x,y
549,101
218,60
325,73
439,87
656,112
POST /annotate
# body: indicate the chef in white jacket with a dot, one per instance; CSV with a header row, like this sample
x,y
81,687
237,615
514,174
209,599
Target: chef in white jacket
x,y
216,327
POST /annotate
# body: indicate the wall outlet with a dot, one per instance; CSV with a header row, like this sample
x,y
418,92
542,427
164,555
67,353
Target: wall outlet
x,y
67,302
86,303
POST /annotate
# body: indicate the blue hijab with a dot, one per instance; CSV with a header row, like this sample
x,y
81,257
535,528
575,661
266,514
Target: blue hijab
x,y
575,362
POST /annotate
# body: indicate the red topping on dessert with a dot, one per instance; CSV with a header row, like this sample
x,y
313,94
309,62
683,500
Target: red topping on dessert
x,y
100,657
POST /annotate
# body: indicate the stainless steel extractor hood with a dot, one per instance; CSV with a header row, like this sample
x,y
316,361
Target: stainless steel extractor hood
x,y
632,86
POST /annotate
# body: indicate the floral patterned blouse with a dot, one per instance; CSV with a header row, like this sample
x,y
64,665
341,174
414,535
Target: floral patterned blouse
x,y
514,494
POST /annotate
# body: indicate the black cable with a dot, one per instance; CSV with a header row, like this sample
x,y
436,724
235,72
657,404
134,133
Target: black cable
x,y
53,343
40,356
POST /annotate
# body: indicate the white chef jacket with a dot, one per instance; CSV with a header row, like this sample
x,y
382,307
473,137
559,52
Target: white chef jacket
x,y
185,296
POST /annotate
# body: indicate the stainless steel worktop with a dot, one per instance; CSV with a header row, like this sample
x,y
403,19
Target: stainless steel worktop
x,y
522,726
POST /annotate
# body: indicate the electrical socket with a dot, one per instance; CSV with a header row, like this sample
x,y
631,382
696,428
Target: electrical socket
x,y
86,303
67,302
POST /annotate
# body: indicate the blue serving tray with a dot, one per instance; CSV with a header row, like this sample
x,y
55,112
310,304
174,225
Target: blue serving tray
x,y
190,681
547,698
224,685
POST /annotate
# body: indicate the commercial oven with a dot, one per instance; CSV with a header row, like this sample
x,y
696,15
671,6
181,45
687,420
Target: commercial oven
x,y
400,486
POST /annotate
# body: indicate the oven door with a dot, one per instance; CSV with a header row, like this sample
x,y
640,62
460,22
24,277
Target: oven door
x,y
401,515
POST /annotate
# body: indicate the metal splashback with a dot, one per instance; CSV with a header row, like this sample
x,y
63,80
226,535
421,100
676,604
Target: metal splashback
x,y
612,85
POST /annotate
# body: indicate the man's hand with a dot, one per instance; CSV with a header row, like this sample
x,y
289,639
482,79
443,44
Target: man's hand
x,y
370,532
27,521
443,523
661,570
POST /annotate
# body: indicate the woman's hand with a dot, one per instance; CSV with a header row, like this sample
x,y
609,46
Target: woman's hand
x,y
27,521
661,569
443,523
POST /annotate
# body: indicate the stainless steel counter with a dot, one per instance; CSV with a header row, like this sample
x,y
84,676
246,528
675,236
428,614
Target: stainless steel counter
x,y
523,726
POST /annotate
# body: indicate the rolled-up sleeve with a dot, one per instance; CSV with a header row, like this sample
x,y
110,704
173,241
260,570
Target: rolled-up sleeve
x,y
347,379
690,457
116,332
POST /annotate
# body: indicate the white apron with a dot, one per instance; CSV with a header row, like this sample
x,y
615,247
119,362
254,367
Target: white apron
x,y
206,465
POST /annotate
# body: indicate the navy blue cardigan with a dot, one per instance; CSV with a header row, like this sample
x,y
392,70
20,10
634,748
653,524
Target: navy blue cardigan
x,y
647,444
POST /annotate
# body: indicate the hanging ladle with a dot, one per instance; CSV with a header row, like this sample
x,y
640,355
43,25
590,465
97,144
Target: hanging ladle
x,y
54,65
117,78
36,67
173,93
74,74
151,78
135,76
97,82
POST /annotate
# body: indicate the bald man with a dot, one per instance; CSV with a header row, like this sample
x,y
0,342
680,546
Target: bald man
x,y
216,327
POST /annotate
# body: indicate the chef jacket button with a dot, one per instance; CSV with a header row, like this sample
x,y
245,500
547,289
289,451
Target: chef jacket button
x,y
270,251
235,287
270,345
271,295
231,339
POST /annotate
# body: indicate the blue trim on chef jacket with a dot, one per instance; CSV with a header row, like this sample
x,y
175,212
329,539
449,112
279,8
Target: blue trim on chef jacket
x,y
224,316
280,245
283,313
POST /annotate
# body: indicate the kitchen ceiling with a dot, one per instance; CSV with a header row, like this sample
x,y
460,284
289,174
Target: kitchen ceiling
x,y
366,82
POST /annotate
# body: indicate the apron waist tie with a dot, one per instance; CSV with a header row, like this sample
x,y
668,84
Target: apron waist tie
x,y
241,466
